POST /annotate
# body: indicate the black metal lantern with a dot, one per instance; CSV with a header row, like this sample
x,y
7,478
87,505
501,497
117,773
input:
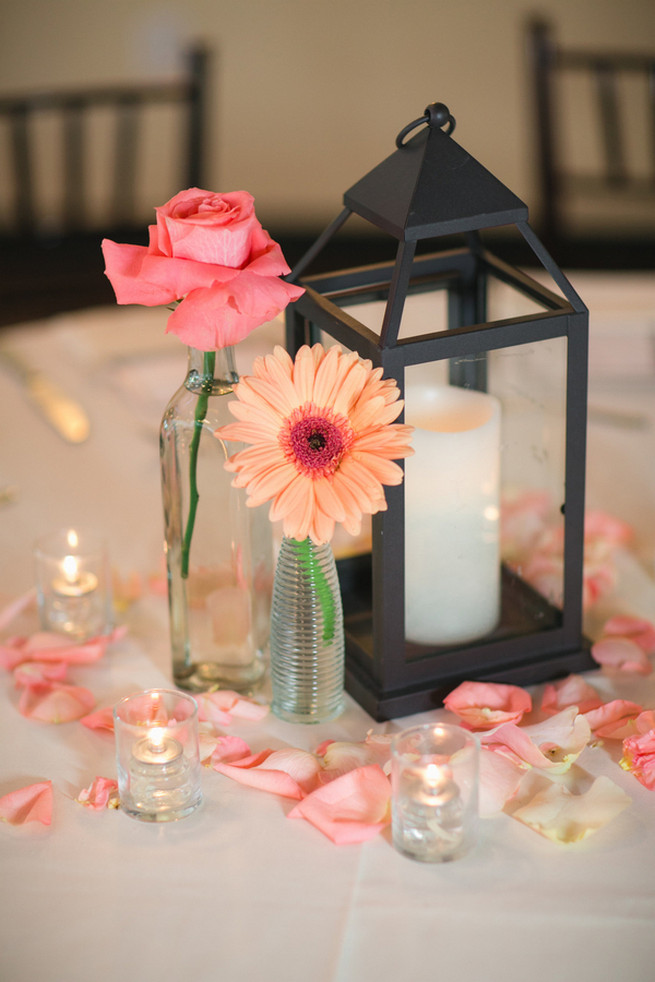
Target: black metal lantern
x,y
475,570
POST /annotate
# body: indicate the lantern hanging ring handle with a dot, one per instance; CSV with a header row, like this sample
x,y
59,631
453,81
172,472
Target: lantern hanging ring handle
x,y
436,115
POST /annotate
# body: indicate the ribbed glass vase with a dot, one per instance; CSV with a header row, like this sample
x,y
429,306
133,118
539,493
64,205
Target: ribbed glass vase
x,y
219,552
307,640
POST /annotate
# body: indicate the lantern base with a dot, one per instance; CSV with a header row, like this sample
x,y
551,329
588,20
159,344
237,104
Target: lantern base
x,y
528,647
385,704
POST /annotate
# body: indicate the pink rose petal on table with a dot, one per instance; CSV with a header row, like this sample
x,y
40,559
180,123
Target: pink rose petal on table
x,y
621,654
54,702
229,749
219,707
553,744
341,757
571,691
33,672
101,793
500,778
483,705
636,629
46,646
639,758
564,817
30,804
615,719
291,773
353,808
102,719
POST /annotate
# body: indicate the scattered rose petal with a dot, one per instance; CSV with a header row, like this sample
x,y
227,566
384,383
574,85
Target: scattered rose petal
x,y
561,816
102,719
291,773
32,672
615,719
645,721
553,744
621,654
352,808
571,691
54,702
641,631
45,646
229,749
639,758
499,780
30,804
341,757
101,793
219,707
483,705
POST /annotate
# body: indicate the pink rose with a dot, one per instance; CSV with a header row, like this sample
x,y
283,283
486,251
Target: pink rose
x,y
210,251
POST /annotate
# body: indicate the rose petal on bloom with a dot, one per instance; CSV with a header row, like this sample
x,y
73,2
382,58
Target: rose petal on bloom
x,y
54,702
564,817
553,744
483,705
639,758
103,719
30,804
499,781
352,808
101,793
621,654
571,691
615,719
641,631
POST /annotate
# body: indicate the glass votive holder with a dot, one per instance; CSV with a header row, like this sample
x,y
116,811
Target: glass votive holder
x,y
73,584
157,755
434,779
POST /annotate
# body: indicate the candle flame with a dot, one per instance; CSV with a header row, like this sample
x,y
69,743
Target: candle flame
x,y
70,567
72,539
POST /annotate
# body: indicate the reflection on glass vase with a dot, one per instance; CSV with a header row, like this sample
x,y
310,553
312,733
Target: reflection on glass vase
x,y
219,552
307,639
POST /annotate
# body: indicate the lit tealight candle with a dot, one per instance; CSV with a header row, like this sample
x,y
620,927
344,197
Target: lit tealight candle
x,y
74,582
434,792
157,755
157,748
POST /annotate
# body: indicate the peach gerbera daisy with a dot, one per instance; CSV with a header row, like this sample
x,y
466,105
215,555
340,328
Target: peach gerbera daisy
x,y
321,437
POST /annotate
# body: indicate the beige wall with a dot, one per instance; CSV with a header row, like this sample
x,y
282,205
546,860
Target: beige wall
x,y
309,95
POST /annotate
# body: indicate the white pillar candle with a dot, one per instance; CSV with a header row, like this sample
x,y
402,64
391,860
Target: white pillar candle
x,y
452,561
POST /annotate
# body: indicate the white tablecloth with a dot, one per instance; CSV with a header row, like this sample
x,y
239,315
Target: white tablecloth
x,y
237,891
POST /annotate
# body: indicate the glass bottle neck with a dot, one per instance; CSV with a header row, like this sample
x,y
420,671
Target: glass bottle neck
x,y
211,371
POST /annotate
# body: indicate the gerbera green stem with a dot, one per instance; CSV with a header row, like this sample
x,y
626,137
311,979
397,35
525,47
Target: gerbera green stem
x,y
321,585
209,362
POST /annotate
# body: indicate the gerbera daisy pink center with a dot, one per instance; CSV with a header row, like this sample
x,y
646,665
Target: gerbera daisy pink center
x,y
315,440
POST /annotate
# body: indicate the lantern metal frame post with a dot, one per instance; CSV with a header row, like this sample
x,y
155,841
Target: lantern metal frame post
x,y
388,675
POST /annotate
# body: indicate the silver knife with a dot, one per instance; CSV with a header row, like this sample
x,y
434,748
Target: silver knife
x,y
63,413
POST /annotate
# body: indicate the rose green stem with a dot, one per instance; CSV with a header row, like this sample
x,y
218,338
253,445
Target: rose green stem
x,y
209,361
321,585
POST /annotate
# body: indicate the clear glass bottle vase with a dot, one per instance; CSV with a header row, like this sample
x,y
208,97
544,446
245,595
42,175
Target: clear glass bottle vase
x,y
307,639
219,553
